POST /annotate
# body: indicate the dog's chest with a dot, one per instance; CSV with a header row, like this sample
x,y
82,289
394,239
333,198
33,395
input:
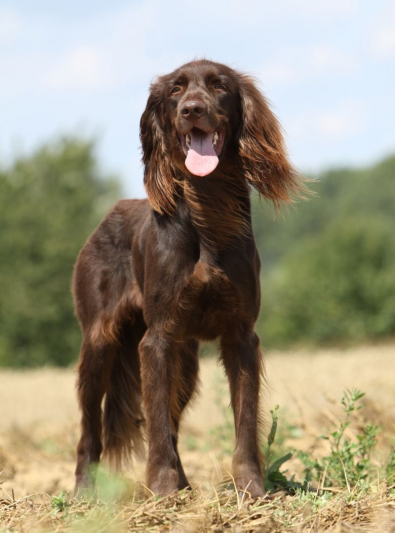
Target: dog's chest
x,y
207,302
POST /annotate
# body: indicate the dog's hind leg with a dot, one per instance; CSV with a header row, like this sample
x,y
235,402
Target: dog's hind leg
x,y
123,410
94,373
183,389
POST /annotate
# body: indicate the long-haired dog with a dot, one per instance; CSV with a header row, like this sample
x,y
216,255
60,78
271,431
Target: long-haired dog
x,y
159,275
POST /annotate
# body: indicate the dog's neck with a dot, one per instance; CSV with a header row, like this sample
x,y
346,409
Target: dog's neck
x,y
220,209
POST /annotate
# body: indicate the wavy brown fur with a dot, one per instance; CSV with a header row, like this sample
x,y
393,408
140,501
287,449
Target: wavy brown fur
x,y
123,415
262,150
158,276
219,208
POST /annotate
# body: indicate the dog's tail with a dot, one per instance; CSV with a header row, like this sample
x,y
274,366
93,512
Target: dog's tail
x,y
123,411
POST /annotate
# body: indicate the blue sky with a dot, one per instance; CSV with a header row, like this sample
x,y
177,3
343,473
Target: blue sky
x,y
85,66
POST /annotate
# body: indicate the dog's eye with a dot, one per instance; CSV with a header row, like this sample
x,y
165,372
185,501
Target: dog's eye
x,y
175,90
219,86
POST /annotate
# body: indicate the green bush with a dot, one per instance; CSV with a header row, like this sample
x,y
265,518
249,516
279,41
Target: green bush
x,y
337,286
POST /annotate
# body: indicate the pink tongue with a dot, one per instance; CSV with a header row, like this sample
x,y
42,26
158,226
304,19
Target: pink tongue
x,y
201,159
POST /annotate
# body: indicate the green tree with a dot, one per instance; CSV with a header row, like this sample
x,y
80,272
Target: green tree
x,y
49,203
328,265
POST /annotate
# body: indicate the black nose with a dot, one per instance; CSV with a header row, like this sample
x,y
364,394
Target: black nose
x,y
193,109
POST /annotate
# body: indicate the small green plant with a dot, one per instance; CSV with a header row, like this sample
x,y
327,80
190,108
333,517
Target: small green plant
x,y
59,503
274,478
390,467
347,465
348,462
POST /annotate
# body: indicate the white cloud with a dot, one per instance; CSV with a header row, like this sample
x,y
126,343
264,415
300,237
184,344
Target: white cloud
x,y
337,124
300,64
10,25
105,50
252,11
278,74
110,51
119,46
324,57
81,68
382,34
383,43
312,9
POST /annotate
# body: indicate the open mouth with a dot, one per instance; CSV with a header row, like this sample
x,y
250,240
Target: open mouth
x,y
202,150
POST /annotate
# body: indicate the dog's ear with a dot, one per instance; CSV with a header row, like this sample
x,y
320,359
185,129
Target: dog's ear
x,y
159,179
262,148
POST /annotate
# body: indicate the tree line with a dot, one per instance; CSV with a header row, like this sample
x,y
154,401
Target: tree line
x,y
328,271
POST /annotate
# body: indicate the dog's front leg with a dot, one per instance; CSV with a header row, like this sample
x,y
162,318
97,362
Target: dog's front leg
x,y
155,356
242,360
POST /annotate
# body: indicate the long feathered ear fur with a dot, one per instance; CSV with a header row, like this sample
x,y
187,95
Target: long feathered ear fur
x,y
159,175
262,149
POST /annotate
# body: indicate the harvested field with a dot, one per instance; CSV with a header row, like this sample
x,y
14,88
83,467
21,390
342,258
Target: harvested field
x,y
39,431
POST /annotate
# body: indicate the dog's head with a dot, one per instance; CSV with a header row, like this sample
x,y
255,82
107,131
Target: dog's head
x,y
204,118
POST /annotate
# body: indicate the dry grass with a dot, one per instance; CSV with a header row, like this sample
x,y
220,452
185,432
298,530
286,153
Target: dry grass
x,y
39,430
204,510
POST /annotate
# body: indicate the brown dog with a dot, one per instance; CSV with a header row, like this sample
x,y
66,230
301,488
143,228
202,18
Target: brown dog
x,y
159,275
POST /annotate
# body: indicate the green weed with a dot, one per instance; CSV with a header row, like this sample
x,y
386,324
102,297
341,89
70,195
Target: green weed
x,y
274,478
390,467
348,462
59,503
